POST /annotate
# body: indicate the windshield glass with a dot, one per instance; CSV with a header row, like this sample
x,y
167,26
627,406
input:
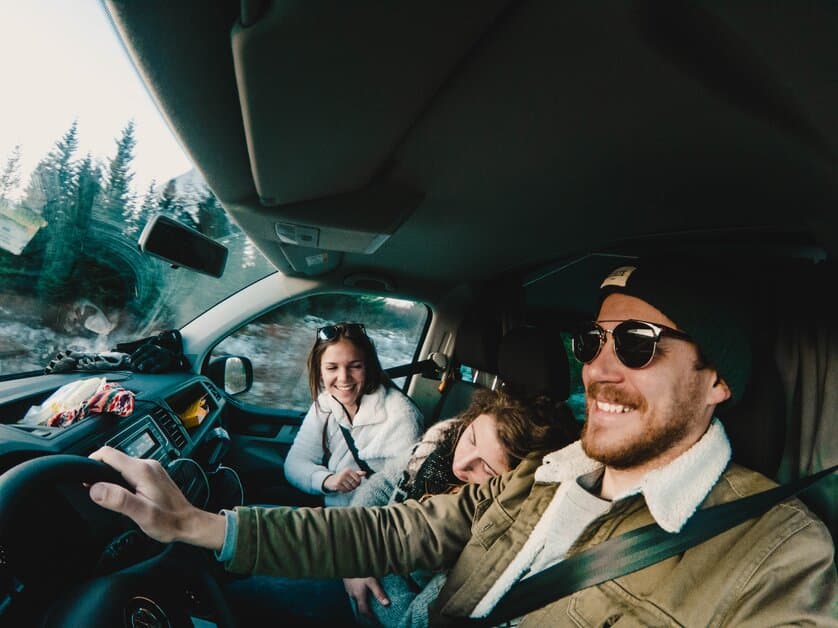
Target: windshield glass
x,y
85,161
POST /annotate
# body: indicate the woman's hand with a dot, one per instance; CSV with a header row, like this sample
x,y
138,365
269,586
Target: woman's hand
x,y
344,481
359,590
156,505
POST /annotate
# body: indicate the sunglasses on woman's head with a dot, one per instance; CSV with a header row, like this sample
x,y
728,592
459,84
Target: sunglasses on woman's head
x,y
347,330
635,342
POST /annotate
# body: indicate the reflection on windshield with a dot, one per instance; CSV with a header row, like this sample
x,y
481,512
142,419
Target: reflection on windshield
x,y
71,273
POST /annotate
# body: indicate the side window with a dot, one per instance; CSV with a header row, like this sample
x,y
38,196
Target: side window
x,y
576,400
278,342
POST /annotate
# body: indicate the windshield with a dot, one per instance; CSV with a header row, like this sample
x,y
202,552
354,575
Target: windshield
x,y
85,161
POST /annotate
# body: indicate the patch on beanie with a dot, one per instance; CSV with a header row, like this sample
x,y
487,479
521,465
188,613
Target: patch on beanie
x,y
618,277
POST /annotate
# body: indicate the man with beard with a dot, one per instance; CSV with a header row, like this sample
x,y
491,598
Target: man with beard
x,y
667,347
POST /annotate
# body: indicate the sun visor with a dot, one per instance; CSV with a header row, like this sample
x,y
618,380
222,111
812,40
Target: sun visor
x,y
323,109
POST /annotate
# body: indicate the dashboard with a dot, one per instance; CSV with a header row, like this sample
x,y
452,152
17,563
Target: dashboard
x,y
177,420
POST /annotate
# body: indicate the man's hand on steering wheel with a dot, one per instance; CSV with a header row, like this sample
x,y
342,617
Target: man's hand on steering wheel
x,y
157,505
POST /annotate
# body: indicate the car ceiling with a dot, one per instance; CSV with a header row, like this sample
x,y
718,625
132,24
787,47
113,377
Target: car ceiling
x,y
484,137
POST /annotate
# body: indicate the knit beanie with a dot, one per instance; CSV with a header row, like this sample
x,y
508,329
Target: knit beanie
x,y
703,299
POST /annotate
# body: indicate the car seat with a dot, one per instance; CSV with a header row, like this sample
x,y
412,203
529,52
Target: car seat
x,y
475,346
533,361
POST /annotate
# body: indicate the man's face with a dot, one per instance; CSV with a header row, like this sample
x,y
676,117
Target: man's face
x,y
645,417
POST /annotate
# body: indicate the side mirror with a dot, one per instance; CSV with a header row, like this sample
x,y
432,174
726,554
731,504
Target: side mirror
x,y
232,373
174,242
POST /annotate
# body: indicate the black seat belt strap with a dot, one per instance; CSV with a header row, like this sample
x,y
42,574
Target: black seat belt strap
x,y
634,550
429,368
353,449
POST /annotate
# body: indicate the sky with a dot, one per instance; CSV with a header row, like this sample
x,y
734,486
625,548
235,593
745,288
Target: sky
x,y
60,60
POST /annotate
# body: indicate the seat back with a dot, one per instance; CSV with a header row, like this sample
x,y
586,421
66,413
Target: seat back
x,y
756,425
533,361
476,346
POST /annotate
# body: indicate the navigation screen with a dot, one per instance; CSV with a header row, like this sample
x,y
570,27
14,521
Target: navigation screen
x,y
141,445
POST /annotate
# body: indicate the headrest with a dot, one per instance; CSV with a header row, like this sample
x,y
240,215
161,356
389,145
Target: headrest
x,y
533,361
476,344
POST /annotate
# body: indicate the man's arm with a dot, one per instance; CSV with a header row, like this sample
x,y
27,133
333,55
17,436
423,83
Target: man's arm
x,y
303,542
355,542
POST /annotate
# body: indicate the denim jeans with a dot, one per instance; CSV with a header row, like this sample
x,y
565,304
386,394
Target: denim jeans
x,y
269,600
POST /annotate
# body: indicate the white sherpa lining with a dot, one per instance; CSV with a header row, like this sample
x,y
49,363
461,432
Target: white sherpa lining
x,y
672,494
383,404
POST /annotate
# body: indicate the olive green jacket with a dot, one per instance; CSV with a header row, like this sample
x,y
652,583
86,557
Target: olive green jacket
x,y
775,570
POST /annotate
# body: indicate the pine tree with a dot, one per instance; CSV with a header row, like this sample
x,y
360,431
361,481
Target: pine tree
x,y
212,219
52,184
56,179
88,188
173,205
10,177
117,197
144,212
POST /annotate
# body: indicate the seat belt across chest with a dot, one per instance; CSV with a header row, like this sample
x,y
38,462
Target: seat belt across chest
x,y
633,551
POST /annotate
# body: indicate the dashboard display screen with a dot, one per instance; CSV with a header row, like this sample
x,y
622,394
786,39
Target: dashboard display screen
x,y
140,446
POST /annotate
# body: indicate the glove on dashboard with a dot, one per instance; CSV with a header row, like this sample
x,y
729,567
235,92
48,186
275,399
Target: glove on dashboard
x,y
69,360
169,339
152,358
157,354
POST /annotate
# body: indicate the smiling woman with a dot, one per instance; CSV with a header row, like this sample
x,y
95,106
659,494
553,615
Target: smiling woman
x,y
358,420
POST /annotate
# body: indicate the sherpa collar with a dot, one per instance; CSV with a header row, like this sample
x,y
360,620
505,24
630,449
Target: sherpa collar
x,y
672,492
371,409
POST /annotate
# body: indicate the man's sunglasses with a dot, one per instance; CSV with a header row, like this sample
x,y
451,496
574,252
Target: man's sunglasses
x,y
634,341
347,330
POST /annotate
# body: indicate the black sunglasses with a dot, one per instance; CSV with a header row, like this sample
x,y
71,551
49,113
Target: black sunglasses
x,y
634,341
347,330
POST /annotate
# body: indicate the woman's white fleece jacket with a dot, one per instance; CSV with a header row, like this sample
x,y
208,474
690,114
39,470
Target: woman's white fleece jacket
x,y
386,426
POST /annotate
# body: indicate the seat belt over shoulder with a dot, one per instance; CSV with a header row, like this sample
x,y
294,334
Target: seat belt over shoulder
x,y
353,449
633,551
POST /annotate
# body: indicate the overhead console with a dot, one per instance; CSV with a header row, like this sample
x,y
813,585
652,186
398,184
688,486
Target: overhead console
x,y
311,236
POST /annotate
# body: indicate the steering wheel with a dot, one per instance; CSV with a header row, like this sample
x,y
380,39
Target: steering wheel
x,y
168,590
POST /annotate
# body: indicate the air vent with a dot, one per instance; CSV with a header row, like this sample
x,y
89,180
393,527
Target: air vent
x,y
171,428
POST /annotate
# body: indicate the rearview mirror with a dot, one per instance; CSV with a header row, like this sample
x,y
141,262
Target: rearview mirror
x,y
183,246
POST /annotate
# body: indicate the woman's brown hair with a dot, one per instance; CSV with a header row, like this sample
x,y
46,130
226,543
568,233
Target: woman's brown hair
x,y
352,332
535,427
525,427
